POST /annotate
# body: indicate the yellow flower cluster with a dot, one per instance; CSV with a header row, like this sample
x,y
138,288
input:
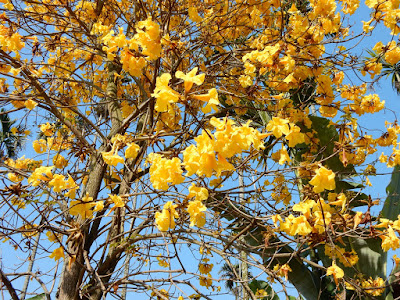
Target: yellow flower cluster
x,y
205,267
196,208
84,207
164,171
166,219
40,174
112,158
281,191
10,41
279,127
313,219
57,253
209,155
147,37
347,258
196,211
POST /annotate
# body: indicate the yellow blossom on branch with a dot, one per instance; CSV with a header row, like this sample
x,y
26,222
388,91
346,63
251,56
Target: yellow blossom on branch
x,y
82,207
132,150
324,179
196,211
112,158
282,270
166,218
390,240
278,126
164,94
190,78
336,272
164,171
199,193
57,253
58,183
40,174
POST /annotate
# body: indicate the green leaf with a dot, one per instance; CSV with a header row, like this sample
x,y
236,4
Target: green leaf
x,y
372,259
38,297
300,276
391,207
346,185
327,136
265,117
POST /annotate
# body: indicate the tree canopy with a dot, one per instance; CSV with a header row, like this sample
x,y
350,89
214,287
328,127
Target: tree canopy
x,y
174,147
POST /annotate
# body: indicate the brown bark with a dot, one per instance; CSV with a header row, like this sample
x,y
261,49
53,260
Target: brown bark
x,y
72,276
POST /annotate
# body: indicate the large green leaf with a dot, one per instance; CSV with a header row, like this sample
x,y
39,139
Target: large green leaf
x,y
301,277
391,207
327,136
38,297
372,259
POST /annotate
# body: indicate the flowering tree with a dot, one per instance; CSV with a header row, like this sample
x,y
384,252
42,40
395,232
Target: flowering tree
x,y
166,136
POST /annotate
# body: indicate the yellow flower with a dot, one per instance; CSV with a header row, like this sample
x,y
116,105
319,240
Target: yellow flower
x,y
162,262
14,130
30,104
190,78
335,271
72,187
164,94
294,226
245,81
15,177
211,98
40,174
390,240
278,126
59,161
149,39
347,258
112,158
295,136
261,293
281,156
57,253
58,183
324,179
118,202
206,281
193,14
199,193
40,146
196,211
304,207
82,207
164,171
371,286
166,218
282,270
132,150
205,267
99,206
392,56
52,237
47,129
